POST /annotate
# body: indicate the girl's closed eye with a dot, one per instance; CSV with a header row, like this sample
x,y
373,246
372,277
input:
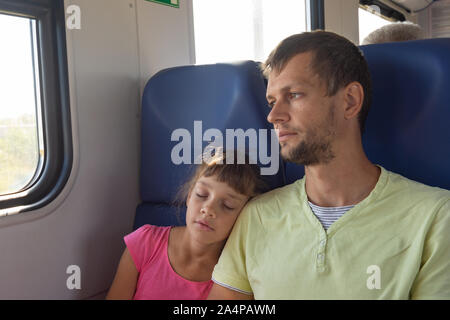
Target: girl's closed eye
x,y
201,195
228,207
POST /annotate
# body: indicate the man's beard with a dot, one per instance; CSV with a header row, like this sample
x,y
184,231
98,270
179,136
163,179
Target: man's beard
x,y
314,149
310,153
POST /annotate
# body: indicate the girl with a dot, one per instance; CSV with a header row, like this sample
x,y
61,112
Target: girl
x,y
177,262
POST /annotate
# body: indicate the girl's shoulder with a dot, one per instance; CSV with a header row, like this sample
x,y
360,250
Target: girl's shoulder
x,y
146,243
151,232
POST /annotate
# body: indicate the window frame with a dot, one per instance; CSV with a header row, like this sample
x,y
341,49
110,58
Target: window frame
x,y
54,100
315,12
386,11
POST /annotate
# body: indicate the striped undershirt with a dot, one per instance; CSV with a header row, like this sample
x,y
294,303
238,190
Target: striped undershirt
x,y
328,215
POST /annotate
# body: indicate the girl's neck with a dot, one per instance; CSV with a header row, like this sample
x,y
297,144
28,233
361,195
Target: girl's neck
x,y
191,250
191,260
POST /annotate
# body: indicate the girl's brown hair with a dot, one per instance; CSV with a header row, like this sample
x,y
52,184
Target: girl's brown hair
x,y
243,178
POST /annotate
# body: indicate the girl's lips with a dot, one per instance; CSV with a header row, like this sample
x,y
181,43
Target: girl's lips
x,y
204,226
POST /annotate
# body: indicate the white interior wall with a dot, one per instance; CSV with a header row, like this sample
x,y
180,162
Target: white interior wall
x,y
439,12
341,17
166,37
423,22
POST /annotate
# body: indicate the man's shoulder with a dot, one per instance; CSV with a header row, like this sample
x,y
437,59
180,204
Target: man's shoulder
x,y
275,202
281,193
408,198
415,190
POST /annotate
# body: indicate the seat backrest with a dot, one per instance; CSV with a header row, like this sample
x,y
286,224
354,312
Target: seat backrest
x,y
407,129
221,96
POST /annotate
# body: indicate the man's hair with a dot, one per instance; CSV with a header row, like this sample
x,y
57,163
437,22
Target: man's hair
x,y
401,31
336,61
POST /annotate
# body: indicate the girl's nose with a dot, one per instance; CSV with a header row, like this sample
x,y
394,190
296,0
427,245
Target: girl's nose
x,y
208,212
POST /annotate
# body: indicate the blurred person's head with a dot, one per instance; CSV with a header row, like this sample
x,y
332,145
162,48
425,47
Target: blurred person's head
x,y
399,31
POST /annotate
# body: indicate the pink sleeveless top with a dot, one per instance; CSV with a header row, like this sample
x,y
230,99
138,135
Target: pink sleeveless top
x,y
157,280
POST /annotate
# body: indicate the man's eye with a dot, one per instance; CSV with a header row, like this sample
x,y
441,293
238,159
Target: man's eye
x,y
294,95
271,104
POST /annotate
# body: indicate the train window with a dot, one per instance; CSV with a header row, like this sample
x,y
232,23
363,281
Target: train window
x,y
244,30
370,19
35,131
21,143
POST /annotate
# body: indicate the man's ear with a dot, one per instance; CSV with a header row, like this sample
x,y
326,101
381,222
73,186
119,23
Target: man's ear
x,y
354,97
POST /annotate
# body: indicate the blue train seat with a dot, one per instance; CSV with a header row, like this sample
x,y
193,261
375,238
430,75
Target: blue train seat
x,y
221,96
408,126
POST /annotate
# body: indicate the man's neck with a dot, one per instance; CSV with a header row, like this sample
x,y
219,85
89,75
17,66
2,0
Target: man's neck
x,y
341,182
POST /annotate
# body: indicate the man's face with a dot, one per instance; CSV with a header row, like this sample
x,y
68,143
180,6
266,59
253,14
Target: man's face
x,y
303,117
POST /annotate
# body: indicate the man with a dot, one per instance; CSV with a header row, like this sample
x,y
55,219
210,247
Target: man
x,y
349,229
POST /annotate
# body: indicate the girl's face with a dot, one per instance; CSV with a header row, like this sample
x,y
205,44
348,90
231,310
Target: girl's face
x,y
212,209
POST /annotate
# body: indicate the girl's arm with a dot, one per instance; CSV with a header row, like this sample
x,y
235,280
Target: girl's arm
x,y
124,283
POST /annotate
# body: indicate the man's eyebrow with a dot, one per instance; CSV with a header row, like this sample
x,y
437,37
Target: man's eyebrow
x,y
299,83
292,85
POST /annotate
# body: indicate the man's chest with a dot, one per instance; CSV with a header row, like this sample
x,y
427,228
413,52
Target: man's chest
x,y
337,267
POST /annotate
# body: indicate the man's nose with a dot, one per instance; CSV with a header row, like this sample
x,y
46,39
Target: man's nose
x,y
278,113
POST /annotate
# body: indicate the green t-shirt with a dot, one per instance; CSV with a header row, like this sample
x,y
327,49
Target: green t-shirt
x,y
395,244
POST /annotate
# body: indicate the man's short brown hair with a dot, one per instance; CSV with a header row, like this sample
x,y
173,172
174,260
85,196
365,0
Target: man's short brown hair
x,y
336,60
